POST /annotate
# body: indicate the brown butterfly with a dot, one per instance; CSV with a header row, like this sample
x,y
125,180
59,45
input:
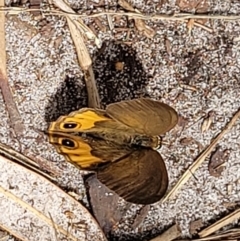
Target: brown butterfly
x,y
119,144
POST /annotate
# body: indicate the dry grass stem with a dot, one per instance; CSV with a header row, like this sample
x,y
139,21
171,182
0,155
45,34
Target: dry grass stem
x,y
173,17
210,30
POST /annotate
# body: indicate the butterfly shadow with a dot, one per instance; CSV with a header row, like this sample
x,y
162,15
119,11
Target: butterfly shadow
x,y
119,75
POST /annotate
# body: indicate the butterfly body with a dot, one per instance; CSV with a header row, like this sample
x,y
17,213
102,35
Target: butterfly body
x,y
118,143
125,138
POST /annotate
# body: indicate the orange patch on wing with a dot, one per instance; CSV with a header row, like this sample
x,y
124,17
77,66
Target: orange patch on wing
x,y
82,120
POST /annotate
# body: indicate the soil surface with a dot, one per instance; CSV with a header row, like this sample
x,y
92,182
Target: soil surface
x,y
192,68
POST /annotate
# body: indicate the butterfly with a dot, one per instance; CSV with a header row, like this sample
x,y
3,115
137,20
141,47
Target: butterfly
x,y
119,144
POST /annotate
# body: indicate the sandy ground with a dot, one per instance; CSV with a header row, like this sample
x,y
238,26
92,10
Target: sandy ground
x,y
195,73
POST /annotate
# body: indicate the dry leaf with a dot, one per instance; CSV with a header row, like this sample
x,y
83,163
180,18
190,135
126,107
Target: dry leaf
x,y
145,29
98,22
182,121
190,25
187,141
124,4
141,215
229,189
139,23
104,204
35,4
217,162
198,6
195,226
168,46
30,200
82,52
119,66
207,122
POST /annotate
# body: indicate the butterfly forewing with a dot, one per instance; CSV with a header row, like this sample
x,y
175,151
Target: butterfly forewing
x,y
140,177
79,121
144,115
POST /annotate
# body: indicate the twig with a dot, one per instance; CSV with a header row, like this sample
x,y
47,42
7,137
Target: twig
x,y
15,118
201,158
173,17
210,30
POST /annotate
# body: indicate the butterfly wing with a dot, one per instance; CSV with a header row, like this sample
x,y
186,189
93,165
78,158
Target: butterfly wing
x,y
141,177
144,115
78,121
87,153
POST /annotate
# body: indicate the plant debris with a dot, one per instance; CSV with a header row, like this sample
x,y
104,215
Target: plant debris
x,y
217,163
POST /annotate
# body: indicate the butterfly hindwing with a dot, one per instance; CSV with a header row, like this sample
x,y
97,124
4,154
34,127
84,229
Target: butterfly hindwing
x,y
144,115
141,177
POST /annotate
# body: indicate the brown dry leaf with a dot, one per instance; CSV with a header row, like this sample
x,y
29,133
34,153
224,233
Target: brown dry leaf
x,y
182,121
124,4
58,41
207,122
35,4
145,29
195,226
198,6
104,204
161,3
139,23
190,25
98,22
168,46
229,189
30,200
186,141
83,55
119,66
142,213
216,164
